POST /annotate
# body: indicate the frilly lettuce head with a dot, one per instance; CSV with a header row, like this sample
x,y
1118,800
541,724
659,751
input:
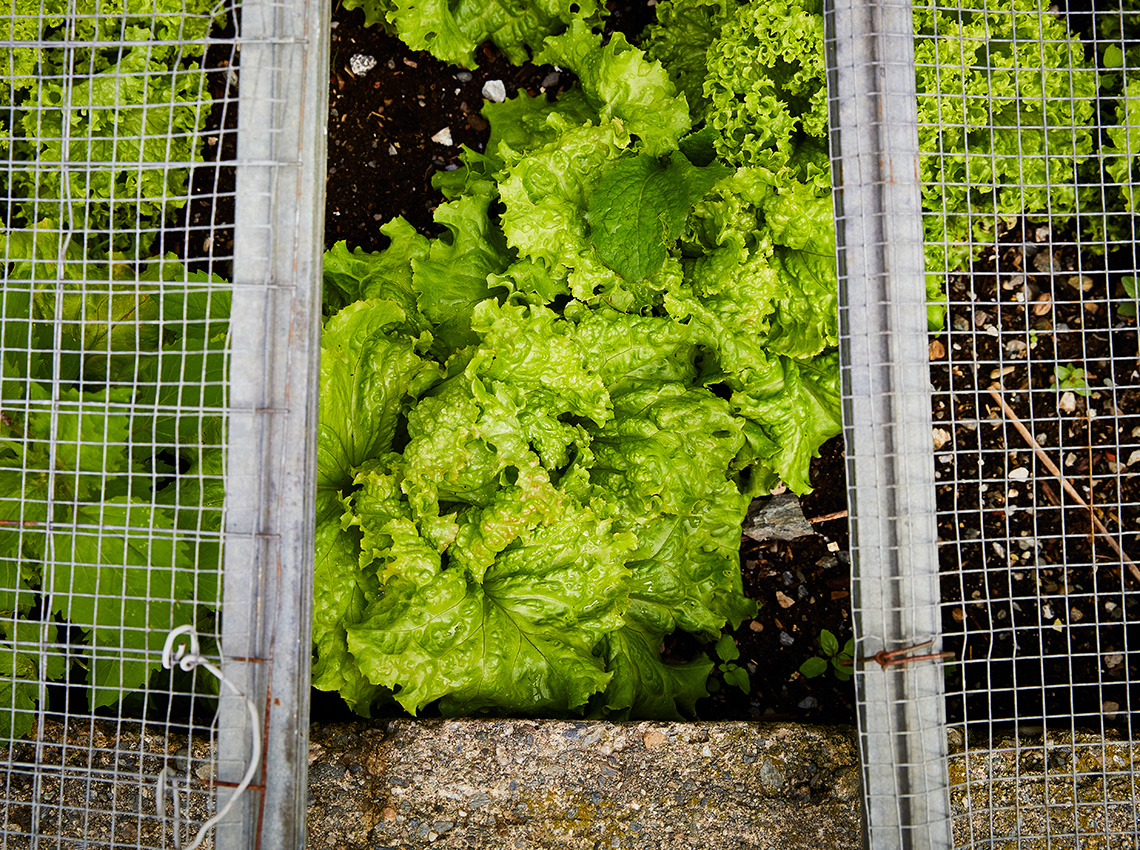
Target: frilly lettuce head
x,y
1001,127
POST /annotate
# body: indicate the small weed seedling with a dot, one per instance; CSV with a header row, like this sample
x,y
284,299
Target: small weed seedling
x,y
1069,377
830,655
1127,309
733,674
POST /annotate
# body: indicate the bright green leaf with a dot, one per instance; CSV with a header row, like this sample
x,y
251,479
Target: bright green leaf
x,y
119,574
814,666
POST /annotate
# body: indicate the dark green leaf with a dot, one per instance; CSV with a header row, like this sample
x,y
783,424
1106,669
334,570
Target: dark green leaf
x,y
646,686
814,666
699,147
828,642
639,209
737,676
843,671
726,648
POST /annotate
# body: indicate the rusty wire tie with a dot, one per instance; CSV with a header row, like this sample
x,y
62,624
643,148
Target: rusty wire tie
x,y
898,657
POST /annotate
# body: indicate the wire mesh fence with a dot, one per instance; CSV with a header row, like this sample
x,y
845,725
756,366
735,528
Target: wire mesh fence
x,y
139,596
1020,158
158,331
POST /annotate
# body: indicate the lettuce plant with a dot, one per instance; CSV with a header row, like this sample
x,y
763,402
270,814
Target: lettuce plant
x,y
1006,113
451,31
106,109
110,357
540,433
1005,106
111,448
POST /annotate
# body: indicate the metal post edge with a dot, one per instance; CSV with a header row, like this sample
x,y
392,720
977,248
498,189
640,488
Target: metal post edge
x,y
274,368
886,394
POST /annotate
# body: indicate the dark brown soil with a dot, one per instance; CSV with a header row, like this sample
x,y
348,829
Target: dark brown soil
x,y
1037,604
381,123
803,586
381,159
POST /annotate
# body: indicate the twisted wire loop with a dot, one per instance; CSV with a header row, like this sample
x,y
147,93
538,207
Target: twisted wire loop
x,y
188,661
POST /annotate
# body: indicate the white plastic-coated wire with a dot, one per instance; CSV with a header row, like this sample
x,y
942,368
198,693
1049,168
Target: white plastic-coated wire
x,y
188,661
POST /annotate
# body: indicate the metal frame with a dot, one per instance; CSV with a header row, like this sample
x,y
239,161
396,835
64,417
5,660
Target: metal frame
x,y
272,429
886,398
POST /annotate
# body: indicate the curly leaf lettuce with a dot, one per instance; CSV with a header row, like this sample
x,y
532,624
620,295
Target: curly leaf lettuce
x,y
1006,105
121,90
367,378
1001,126
619,82
523,636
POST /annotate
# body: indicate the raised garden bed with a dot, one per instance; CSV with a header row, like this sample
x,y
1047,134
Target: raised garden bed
x,y
381,158
1030,306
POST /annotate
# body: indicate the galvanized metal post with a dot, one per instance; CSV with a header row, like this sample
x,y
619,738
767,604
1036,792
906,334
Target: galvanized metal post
x,y
272,428
886,388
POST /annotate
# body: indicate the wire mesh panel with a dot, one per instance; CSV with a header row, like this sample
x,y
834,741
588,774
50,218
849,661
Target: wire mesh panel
x,y
1024,168
126,630
1027,120
886,416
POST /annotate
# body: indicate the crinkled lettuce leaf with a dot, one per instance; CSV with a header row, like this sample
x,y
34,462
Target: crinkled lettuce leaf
x,y
522,639
338,600
792,408
680,39
451,30
453,277
369,377
645,685
387,275
618,81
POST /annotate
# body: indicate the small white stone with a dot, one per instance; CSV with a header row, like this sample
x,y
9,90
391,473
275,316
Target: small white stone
x,y
361,63
495,91
443,137
1020,474
941,437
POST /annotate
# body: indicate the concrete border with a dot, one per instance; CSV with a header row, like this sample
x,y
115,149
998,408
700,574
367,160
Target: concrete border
x,y
559,785
518,784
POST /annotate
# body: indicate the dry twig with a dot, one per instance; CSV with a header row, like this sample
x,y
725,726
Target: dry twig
x,y
828,517
1068,488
